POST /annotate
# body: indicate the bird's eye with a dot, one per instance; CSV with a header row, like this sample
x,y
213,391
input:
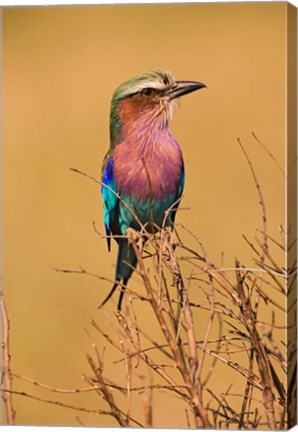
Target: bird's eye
x,y
147,91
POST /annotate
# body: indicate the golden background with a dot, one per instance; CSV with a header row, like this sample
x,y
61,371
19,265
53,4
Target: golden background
x,y
60,68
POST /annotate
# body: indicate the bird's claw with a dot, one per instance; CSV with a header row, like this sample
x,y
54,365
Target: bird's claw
x,y
134,237
171,237
168,242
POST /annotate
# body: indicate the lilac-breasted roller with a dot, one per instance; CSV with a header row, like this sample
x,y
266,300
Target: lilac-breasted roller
x,y
143,171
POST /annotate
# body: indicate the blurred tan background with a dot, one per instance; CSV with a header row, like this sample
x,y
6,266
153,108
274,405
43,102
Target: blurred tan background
x,y
60,68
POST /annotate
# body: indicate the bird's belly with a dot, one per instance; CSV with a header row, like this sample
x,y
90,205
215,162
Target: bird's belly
x,y
147,185
135,213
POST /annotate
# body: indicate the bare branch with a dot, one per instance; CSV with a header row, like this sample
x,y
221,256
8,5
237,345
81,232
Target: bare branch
x,y
7,375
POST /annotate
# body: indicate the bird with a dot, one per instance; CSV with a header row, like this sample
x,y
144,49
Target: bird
x,y
143,170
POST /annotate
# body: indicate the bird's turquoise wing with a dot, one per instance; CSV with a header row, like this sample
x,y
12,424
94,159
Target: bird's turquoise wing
x,y
109,196
178,194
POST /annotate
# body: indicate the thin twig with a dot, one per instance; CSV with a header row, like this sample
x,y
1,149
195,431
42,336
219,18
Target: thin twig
x,y
7,375
268,153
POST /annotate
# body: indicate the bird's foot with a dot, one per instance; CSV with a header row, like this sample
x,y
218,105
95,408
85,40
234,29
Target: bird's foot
x,y
171,237
134,237
168,242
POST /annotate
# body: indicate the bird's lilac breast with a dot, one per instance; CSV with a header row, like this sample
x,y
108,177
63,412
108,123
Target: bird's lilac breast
x,y
148,170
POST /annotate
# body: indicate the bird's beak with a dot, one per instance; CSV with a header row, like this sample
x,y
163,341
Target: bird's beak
x,y
184,87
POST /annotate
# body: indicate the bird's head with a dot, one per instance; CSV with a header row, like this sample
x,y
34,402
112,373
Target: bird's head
x,y
146,100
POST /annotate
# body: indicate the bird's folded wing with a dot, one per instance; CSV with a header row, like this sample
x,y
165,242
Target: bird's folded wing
x,y
109,196
178,195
